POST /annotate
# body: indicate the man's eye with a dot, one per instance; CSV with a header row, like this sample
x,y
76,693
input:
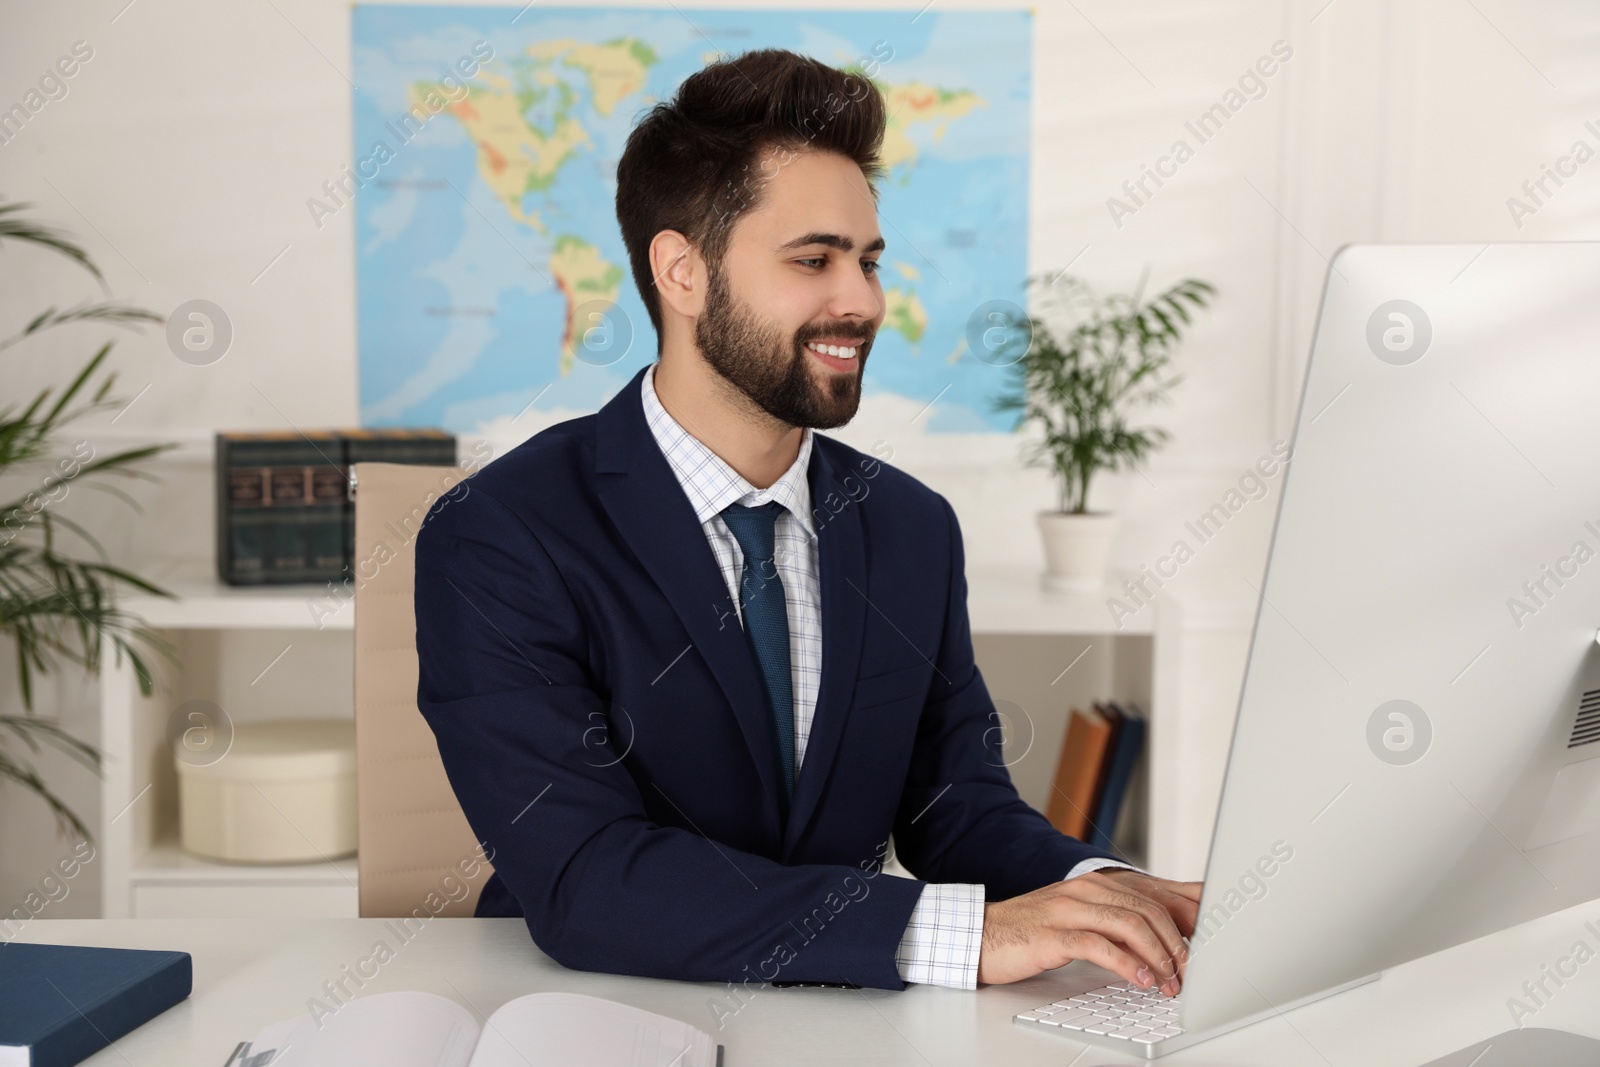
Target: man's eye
x,y
874,265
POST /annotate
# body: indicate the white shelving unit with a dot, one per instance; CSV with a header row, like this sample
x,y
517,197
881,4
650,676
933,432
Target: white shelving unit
x,y
1040,653
227,639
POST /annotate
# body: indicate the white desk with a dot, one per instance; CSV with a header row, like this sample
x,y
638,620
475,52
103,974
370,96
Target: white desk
x,y
251,972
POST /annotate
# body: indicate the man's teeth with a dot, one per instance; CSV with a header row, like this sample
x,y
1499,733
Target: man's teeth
x,y
832,350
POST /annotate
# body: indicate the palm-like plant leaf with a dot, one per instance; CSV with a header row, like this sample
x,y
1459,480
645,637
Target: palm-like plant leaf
x,y
55,607
117,314
1082,384
16,228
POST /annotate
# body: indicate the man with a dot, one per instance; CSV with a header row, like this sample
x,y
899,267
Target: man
x,y
690,664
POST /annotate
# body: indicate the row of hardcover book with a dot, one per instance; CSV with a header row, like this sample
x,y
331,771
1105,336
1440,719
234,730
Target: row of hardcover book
x,y
1098,754
285,512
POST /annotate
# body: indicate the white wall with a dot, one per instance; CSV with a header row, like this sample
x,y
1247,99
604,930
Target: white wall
x,y
186,148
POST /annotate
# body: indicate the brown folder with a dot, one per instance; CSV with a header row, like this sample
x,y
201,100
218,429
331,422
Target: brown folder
x,y
1083,752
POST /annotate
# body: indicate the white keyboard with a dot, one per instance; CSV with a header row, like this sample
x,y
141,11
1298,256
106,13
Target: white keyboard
x,y
1121,1010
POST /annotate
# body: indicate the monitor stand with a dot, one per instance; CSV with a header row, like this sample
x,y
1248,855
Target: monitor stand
x,y
1529,1045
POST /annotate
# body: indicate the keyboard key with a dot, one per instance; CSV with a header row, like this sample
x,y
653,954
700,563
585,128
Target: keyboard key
x,y
1122,1010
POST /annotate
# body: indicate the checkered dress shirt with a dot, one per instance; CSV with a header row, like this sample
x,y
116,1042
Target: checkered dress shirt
x,y
943,938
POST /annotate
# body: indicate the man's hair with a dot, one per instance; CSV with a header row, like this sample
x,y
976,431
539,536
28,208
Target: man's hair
x,y
695,163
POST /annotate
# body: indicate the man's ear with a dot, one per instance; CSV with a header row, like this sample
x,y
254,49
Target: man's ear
x,y
679,272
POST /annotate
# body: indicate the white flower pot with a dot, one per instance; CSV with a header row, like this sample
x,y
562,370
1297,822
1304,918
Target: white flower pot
x,y
1076,549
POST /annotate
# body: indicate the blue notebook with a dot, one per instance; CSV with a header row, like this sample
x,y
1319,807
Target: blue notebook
x,y
60,1004
1129,740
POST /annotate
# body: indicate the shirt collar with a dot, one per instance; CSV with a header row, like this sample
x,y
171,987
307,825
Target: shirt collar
x,y
710,484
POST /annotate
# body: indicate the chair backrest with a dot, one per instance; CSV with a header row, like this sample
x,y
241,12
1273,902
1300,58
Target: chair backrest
x,y
415,849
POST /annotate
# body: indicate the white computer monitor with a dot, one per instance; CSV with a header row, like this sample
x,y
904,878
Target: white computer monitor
x,y
1416,759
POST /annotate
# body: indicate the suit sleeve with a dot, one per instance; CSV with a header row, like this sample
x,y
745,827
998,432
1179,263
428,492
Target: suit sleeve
x,y
960,818
505,686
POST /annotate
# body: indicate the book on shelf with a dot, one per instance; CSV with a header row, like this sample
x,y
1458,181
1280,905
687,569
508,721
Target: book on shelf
x,y
408,1029
1102,770
285,513
60,1004
1123,753
1077,771
1098,753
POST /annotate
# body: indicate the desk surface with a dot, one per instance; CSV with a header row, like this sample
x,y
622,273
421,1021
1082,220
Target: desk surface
x,y
248,973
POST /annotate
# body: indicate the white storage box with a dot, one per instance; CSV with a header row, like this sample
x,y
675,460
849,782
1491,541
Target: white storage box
x,y
284,792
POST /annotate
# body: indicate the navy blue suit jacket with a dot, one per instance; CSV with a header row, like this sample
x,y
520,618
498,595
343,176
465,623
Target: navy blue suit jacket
x,y
602,718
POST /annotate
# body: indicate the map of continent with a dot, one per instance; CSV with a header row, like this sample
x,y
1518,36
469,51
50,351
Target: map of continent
x,y
494,295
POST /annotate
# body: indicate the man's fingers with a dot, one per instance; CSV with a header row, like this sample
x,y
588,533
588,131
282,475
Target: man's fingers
x,y
1184,912
1100,951
1130,923
1190,890
1127,927
1173,959
1187,890
1180,899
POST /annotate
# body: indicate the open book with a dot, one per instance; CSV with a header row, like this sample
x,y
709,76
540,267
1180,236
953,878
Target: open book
x,y
423,1030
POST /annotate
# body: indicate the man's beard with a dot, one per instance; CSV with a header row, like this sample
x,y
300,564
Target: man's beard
x,y
771,369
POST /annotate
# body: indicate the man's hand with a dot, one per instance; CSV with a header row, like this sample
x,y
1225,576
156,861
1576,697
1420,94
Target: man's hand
x,y
1129,923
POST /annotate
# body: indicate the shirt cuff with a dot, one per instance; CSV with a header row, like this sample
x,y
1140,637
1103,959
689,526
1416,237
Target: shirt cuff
x,y
1096,863
944,937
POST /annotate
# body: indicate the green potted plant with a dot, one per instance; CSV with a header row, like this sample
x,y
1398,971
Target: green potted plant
x,y
1082,380
55,605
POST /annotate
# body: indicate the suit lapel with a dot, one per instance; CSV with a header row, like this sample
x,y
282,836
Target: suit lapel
x,y
842,579
639,491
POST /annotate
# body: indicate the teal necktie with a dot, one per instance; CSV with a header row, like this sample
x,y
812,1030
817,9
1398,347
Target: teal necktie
x,y
766,619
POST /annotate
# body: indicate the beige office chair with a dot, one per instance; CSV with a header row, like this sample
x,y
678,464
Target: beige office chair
x,y
413,842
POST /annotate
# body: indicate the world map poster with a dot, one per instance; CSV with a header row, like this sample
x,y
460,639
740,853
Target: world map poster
x,y
494,294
